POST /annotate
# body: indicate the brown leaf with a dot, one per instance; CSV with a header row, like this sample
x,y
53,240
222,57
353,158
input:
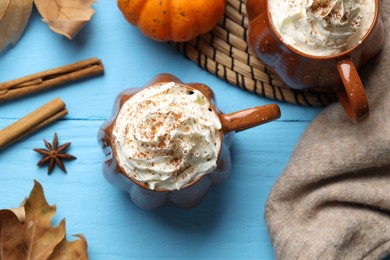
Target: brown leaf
x,y
42,237
65,17
71,250
10,236
6,214
20,213
14,15
35,238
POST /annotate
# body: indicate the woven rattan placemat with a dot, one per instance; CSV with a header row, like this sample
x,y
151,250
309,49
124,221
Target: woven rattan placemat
x,y
224,52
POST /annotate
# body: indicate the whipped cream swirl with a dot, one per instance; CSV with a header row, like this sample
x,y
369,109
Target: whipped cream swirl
x,y
322,27
166,136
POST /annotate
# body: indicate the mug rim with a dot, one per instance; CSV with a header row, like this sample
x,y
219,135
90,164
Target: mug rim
x,y
141,184
336,56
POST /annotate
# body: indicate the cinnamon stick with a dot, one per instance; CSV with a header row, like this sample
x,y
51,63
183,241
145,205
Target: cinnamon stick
x,y
37,119
49,79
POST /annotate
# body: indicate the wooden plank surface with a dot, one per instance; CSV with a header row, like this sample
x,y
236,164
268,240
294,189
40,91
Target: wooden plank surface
x,y
228,224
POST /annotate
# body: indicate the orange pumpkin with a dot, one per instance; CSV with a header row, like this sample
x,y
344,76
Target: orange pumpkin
x,y
176,20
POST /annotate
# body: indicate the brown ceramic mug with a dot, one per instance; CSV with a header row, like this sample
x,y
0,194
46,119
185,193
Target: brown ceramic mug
x,y
300,70
192,193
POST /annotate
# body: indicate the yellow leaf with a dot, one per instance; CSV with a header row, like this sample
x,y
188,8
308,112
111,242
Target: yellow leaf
x,y
14,15
65,17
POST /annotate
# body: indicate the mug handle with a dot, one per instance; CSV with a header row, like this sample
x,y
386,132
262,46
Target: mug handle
x,y
245,119
353,96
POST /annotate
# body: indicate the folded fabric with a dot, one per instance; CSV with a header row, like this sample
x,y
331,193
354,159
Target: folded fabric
x,y
333,199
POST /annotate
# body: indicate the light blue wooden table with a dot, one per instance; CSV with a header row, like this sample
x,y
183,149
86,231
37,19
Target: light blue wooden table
x,y
228,224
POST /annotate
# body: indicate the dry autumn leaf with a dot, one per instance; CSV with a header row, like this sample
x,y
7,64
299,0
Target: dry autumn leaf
x,y
71,250
10,230
65,17
35,238
14,15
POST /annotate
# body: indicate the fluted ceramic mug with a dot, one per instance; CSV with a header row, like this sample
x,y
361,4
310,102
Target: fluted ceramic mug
x,y
192,193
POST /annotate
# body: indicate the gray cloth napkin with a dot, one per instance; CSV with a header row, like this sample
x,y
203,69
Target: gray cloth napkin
x,y
333,199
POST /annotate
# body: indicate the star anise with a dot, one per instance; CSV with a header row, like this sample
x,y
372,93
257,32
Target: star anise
x,y
54,155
